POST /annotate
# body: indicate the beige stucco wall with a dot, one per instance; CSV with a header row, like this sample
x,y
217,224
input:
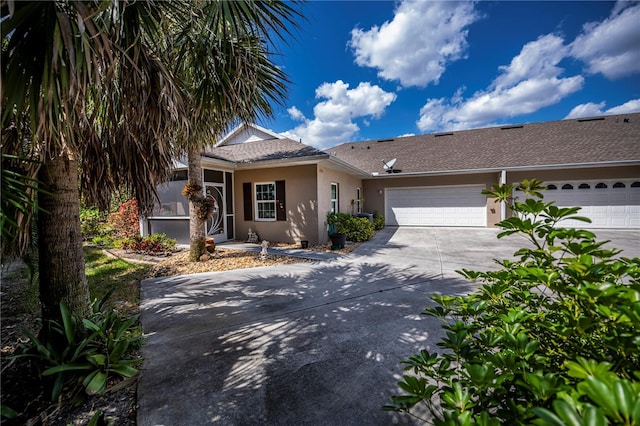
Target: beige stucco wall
x,y
374,199
301,204
347,185
626,172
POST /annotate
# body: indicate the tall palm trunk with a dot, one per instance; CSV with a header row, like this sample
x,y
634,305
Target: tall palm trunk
x,y
61,261
196,225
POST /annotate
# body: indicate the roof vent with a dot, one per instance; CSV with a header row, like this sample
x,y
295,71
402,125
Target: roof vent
x,y
512,127
580,120
386,140
437,135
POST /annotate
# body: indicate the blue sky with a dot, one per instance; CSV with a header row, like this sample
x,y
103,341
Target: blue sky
x,y
377,69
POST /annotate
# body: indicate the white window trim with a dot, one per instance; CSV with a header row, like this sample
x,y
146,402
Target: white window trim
x,y
336,200
255,202
358,200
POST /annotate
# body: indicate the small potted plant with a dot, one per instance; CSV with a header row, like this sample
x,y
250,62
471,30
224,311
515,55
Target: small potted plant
x,y
337,229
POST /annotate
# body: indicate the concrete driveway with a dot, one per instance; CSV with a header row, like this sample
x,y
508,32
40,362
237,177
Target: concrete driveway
x,y
306,344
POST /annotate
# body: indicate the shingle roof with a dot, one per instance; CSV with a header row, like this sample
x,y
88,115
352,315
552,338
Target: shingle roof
x,y
263,150
596,140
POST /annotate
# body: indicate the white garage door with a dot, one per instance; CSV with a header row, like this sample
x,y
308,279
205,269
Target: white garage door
x,y
608,203
442,206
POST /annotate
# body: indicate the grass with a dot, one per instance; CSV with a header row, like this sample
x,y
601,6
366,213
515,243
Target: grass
x,y
104,273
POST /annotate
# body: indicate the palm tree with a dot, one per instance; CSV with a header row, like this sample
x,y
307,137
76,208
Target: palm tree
x,y
228,77
94,80
97,95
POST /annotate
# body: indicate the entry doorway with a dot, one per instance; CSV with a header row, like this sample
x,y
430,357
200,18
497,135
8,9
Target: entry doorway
x,y
215,226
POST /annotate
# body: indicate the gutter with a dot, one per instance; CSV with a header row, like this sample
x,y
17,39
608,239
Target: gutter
x,y
292,161
348,166
512,169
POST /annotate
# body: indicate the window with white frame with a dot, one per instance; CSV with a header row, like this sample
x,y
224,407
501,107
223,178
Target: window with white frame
x,y
358,201
334,198
266,201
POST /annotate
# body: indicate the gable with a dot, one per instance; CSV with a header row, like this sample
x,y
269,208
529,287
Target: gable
x,y
247,133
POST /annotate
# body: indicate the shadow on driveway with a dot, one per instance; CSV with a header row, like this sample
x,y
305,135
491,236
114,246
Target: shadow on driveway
x,y
303,344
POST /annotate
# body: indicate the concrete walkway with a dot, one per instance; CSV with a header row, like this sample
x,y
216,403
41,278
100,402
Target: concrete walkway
x,y
305,344
281,251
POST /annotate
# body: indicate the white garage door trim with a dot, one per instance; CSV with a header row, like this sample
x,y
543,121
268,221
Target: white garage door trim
x,y
608,203
436,206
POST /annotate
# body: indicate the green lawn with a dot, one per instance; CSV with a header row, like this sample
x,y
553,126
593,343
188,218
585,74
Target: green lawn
x,y
104,273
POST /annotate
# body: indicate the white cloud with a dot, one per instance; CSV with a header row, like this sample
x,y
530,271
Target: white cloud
x,y
591,109
417,45
611,47
333,122
530,82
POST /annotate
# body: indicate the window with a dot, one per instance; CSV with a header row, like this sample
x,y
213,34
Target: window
x,y
601,185
635,185
567,186
266,201
334,198
552,187
358,200
618,185
584,186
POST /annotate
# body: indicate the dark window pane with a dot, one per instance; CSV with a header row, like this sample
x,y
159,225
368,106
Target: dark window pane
x,y
552,187
584,186
213,176
635,185
567,186
619,185
601,185
179,175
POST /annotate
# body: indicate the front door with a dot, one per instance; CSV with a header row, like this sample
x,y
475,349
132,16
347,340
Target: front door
x,y
215,225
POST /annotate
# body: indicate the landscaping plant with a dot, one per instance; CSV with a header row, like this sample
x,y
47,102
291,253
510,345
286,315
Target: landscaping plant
x,y
356,228
550,338
84,358
151,244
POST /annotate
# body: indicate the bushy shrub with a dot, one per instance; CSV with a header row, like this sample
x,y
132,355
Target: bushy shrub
x,y
552,337
91,220
104,241
356,228
378,221
151,244
126,220
359,229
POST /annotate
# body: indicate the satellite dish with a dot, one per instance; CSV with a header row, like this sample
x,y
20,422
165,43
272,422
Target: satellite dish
x,y
389,165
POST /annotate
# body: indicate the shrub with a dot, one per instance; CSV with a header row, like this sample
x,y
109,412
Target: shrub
x,y
151,244
85,358
126,220
359,229
105,241
91,222
356,228
378,221
550,338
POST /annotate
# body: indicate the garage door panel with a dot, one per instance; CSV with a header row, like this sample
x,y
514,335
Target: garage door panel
x,y
606,207
443,206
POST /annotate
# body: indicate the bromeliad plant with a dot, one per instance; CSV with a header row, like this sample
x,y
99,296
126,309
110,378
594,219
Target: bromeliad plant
x,y
551,338
85,358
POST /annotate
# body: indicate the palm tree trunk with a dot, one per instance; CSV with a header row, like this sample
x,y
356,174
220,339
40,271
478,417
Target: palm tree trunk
x,y
61,261
196,225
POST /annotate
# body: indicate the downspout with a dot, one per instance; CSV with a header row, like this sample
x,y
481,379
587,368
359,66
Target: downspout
x,y
503,205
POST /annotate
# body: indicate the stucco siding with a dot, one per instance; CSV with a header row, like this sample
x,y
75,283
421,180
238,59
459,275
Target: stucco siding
x,y
347,187
624,172
301,204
